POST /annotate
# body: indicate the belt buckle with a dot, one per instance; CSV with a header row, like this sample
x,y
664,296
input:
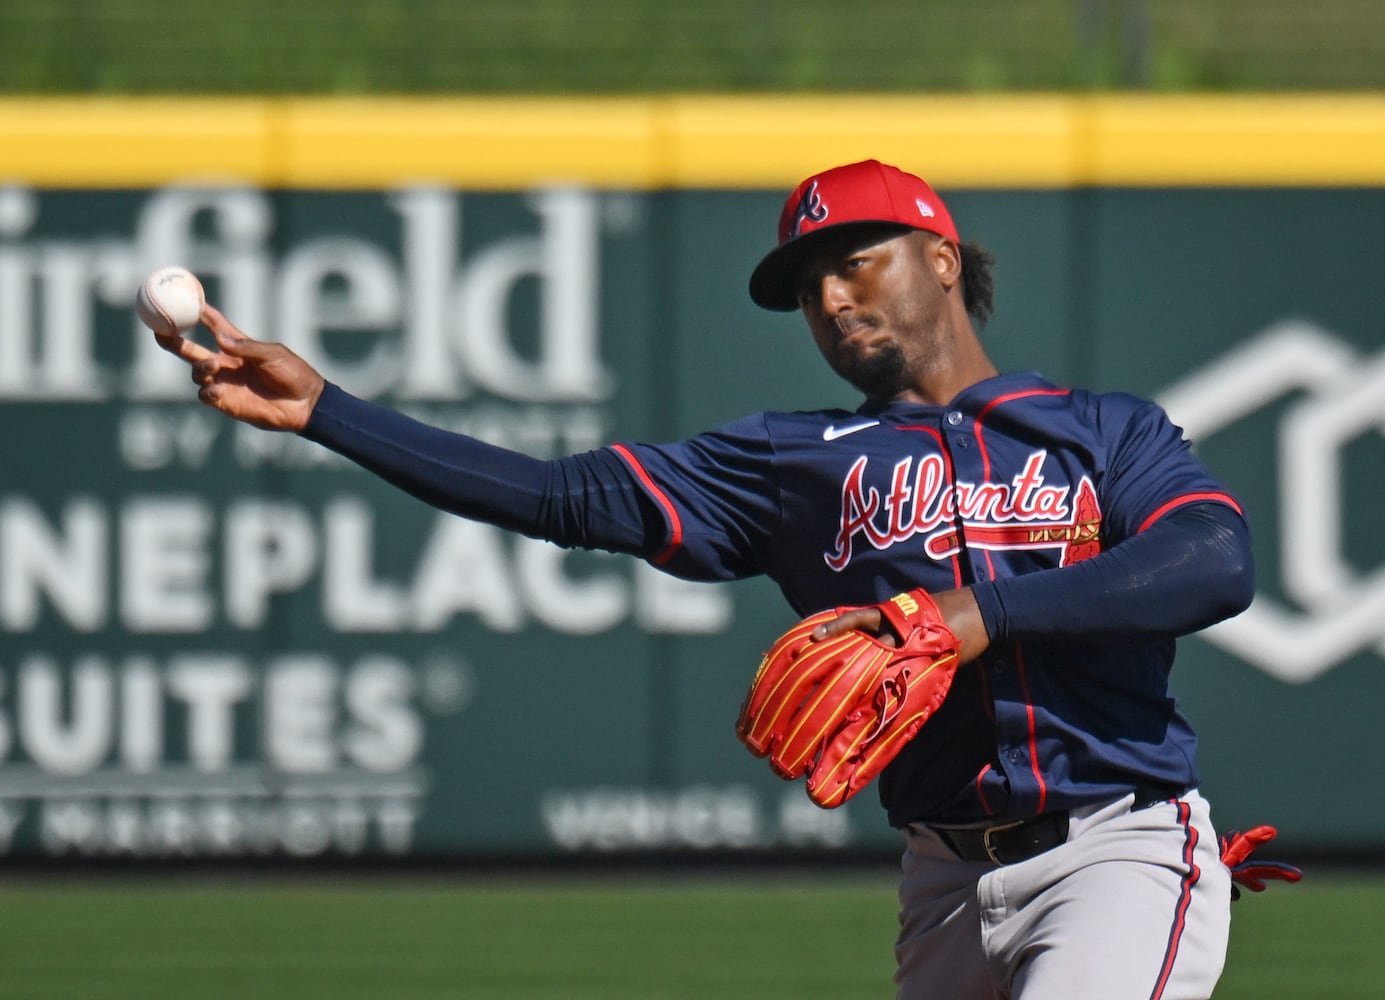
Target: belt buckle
x,y
986,838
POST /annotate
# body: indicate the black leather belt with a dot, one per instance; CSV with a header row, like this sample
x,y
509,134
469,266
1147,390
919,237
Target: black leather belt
x,y
1011,843
1007,843
1152,795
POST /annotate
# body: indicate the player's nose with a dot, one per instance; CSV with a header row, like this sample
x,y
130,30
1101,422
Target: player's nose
x,y
836,294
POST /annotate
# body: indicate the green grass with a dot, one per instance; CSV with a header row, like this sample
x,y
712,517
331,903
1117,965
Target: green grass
x,y
1316,940
516,937
453,938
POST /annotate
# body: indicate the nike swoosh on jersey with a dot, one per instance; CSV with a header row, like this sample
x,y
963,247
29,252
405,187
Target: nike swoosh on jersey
x,y
833,432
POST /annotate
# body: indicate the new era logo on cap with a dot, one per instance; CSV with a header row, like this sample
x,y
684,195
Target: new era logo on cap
x,y
865,192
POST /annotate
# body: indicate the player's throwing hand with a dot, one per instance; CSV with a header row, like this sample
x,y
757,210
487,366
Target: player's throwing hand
x,y
263,384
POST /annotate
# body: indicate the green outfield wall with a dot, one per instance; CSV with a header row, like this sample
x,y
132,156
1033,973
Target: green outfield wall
x,y
216,642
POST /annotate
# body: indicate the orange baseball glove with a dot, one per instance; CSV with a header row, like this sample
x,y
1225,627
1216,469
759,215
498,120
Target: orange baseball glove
x,y
840,709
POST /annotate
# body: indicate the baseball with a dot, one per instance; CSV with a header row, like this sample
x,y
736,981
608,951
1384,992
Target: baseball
x,y
170,301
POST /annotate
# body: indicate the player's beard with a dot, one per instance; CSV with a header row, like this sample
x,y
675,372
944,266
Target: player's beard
x,y
880,374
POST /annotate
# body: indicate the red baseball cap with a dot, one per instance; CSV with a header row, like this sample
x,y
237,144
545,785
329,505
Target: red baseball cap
x,y
869,192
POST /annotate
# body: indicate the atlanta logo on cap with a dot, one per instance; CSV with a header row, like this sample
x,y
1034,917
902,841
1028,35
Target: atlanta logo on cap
x,y
811,208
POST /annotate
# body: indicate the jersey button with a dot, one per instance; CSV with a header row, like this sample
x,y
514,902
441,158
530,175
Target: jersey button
x,y
954,417
1014,755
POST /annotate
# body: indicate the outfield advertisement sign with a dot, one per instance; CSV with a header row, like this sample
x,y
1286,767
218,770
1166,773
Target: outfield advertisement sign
x,y
224,642
217,642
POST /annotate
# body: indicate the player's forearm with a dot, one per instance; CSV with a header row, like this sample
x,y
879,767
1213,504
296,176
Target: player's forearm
x,y
1189,570
583,501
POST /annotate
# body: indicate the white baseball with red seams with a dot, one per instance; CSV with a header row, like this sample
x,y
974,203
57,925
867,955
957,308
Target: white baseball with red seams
x,y
170,301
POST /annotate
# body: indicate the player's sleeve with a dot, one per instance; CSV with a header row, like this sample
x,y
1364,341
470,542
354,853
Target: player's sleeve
x,y
699,509
590,500
1150,468
1176,550
1191,568
717,496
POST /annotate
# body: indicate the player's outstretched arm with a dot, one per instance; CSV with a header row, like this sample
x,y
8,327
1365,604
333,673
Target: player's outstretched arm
x,y
263,384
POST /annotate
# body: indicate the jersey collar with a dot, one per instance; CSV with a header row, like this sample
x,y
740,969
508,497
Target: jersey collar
x,y
972,399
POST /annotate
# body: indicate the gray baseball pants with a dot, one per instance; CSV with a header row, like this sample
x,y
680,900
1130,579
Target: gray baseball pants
x,y
1135,905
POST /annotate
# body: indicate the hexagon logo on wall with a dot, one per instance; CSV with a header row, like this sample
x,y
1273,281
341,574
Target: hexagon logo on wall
x,y
1329,610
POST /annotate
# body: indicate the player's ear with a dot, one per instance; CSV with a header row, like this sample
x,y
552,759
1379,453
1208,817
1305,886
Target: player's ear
x,y
946,259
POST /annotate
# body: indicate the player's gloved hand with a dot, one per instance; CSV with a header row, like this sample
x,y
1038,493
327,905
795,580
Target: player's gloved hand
x,y
839,708
1236,848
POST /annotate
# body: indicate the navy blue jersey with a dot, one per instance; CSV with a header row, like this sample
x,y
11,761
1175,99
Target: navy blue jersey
x,y
1015,475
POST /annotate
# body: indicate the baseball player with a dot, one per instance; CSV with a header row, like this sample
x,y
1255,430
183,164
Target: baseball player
x,y
1056,844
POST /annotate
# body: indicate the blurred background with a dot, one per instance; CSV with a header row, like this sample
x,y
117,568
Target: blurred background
x,y
269,728
721,46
